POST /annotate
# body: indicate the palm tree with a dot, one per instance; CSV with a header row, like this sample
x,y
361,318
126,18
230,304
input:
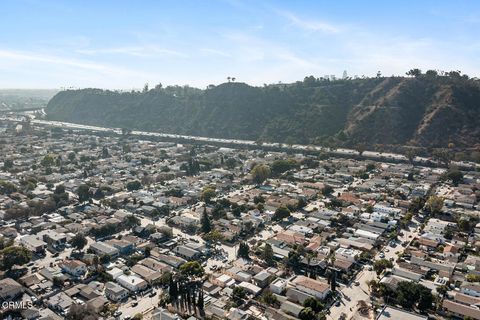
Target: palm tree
x,y
228,78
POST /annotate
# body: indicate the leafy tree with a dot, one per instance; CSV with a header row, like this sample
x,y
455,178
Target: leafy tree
x,y
258,199
134,185
208,193
281,213
327,190
239,292
260,173
48,160
431,73
243,250
406,220
4,242
7,164
174,193
313,304
280,166
416,204
380,265
58,282
59,189
269,298
230,163
434,204
464,224
206,225
219,212
307,314
425,298
104,259
442,155
213,236
166,231
414,72
71,156
84,193
192,268
7,187
165,278
267,254
369,208
105,153
293,260
455,175
131,222
443,289
78,241
138,316
409,294
14,255
237,212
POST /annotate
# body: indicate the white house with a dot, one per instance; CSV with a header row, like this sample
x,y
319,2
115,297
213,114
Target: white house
x,y
33,243
366,234
75,268
316,288
391,211
115,272
132,282
115,292
347,254
278,285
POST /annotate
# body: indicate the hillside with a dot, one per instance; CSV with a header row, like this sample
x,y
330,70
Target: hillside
x,y
425,110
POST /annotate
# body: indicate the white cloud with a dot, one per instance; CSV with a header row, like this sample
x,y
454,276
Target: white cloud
x,y
215,52
57,70
137,51
309,25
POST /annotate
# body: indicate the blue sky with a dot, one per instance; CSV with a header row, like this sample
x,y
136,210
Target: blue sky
x,y
124,44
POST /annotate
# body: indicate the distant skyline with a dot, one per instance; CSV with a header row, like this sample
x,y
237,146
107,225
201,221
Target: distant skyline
x,y
125,44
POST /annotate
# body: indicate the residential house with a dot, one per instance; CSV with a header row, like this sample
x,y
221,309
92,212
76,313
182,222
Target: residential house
x,y
75,268
317,288
132,282
115,292
10,289
102,248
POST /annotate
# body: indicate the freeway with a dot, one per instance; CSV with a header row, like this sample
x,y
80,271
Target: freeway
x,y
339,152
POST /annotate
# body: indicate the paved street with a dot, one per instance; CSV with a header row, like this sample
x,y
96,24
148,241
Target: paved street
x,y
352,295
145,305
